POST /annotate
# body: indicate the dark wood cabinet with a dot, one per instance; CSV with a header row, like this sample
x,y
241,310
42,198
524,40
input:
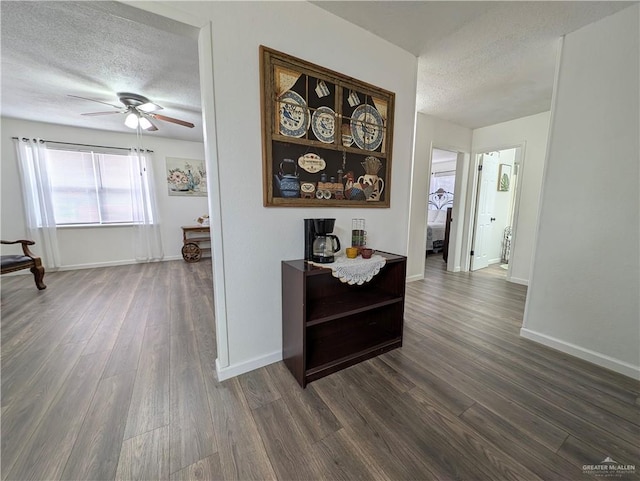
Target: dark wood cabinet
x,y
328,325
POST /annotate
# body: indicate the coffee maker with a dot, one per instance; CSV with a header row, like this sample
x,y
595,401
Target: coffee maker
x,y
319,244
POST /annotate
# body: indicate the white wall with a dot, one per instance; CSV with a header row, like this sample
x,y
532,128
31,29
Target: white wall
x,y
533,132
95,246
583,296
431,132
255,238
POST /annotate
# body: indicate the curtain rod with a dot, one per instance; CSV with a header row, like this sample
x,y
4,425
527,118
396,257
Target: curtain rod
x,y
80,145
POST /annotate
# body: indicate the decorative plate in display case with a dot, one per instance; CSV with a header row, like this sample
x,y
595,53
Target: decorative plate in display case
x,y
294,115
323,124
367,127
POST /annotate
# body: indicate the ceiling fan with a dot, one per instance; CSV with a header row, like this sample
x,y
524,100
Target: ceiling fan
x,y
139,110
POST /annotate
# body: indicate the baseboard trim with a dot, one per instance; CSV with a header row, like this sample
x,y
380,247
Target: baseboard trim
x,y
597,358
416,277
234,370
93,265
517,280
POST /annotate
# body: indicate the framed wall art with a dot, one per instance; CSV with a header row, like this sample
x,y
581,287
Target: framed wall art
x,y
186,177
504,178
326,137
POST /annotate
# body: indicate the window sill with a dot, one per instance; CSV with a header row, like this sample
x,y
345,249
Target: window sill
x,y
89,226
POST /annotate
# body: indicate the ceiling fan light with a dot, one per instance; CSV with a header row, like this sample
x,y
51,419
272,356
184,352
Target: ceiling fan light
x,y
145,124
131,121
149,107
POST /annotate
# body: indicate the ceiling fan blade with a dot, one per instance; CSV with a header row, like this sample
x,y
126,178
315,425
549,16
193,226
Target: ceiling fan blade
x,y
104,113
172,120
94,100
149,107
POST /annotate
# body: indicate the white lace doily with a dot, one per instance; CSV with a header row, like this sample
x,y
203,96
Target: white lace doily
x,y
355,271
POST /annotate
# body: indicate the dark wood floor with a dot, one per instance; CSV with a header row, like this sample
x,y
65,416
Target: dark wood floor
x,y
109,374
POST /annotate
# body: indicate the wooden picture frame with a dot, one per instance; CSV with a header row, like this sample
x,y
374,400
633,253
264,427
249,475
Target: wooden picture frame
x,y
326,138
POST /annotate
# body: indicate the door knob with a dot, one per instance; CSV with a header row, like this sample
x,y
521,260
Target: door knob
x,y
493,219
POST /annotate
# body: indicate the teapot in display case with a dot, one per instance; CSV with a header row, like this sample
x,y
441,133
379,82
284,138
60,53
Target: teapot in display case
x,y
287,180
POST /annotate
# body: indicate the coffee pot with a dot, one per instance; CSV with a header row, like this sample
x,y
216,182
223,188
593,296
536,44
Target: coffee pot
x,y
324,246
320,244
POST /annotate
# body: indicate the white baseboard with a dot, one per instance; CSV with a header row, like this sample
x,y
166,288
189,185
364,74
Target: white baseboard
x,y
23,272
417,277
246,366
93,265
517,280
594,357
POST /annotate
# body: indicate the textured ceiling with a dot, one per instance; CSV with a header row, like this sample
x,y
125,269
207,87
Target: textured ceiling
x,y
51,50
480,63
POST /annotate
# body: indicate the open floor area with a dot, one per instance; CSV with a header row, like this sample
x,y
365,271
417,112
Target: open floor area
x,y
110,374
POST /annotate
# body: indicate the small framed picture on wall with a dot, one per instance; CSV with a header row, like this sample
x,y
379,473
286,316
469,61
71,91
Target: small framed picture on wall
x,y
504,178
186,177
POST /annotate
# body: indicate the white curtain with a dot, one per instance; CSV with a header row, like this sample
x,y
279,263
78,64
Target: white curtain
x,y
147,236
36,192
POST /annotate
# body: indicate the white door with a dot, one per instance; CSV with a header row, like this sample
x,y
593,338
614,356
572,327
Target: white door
x,y
487,187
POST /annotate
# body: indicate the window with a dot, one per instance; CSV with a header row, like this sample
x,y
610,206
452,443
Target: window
x,y
442,180
90,187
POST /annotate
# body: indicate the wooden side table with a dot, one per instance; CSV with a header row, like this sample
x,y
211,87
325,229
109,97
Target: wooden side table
x,y
192,237
328,325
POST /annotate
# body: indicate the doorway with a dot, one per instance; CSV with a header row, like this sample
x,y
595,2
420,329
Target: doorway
x,y
440,198
496,203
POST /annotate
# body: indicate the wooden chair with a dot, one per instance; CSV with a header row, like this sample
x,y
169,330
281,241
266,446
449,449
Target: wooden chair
x,y
12,263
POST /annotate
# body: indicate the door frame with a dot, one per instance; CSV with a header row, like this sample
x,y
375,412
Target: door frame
x,y
480,174
472,204
454,259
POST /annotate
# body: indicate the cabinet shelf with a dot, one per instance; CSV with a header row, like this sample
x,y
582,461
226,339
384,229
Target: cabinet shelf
x,y
351,359
347,304
197,240
328,325
349,336
325,146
